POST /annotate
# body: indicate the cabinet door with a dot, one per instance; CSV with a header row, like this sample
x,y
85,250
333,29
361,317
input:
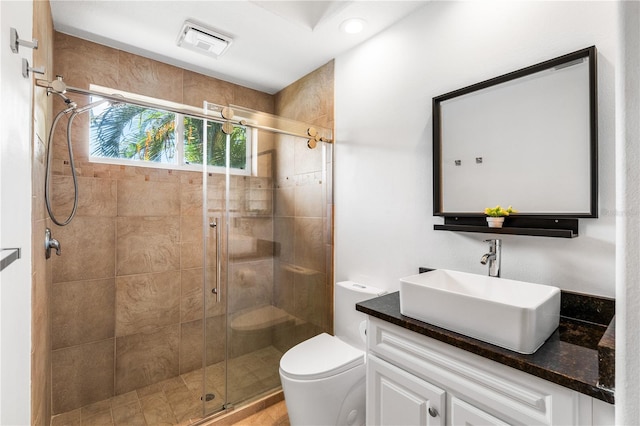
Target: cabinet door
x,y
464,414
395,397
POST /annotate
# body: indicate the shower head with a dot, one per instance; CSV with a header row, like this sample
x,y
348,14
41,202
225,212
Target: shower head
x,y
58,87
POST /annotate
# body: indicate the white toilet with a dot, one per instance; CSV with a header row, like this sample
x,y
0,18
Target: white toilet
x,y
323,378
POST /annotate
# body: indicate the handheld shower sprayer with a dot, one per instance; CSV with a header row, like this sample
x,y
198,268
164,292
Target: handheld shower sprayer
x,y
58,87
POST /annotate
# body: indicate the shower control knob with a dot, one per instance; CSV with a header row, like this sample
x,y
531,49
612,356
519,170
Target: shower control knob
x,y
51,243
433,412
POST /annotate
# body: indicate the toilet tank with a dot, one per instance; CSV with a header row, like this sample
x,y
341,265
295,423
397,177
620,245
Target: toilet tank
x,y
346,319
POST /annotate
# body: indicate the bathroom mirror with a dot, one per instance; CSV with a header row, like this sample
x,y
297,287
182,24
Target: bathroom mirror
x,y
526,139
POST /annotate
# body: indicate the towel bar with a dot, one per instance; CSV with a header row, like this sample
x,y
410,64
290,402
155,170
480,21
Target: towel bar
x,y
8,258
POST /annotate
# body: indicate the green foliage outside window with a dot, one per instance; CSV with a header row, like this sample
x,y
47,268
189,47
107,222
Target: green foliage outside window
x,y
216,144
144,134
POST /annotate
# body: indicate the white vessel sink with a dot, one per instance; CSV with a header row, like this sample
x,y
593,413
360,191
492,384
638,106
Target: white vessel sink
x,y
515,315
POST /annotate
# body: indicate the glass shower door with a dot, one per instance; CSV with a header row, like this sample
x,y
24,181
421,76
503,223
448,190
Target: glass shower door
x,y
252,315
215,200
269,259
240,257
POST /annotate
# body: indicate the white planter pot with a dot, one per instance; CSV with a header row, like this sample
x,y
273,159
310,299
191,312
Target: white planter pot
x,y
495,222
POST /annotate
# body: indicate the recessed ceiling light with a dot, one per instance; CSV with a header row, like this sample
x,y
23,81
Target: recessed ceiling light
x,y
204,40
353,25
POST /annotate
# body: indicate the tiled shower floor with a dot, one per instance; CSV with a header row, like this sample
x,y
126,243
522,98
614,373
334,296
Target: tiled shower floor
x,y
177,401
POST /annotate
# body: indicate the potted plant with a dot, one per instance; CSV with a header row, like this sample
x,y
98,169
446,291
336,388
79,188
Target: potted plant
x,y
496,215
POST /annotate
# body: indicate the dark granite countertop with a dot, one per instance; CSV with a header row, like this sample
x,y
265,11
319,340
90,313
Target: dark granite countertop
x,y
578,355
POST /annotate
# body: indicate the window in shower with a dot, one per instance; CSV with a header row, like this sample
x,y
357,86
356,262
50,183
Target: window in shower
x,y
193,137
133,133
136,135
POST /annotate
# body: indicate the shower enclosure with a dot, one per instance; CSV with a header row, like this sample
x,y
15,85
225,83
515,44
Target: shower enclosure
x,y
178,289
271,236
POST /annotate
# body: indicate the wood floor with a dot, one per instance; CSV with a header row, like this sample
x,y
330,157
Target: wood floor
x,y
275,415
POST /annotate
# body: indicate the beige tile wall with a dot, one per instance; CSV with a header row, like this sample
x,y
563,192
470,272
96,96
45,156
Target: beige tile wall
x,y
303,210
126,296
41,278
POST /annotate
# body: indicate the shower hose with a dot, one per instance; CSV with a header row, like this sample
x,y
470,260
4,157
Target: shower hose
x,y
47,177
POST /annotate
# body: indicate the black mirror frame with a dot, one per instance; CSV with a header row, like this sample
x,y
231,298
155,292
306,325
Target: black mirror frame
x,y
590,53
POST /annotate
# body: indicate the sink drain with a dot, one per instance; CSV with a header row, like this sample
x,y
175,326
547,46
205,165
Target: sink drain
x,y
208,397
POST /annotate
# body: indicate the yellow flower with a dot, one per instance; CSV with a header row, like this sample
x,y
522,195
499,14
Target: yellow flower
x,y
498,211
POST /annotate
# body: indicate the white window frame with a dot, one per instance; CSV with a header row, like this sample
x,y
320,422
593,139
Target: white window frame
x,y
180,164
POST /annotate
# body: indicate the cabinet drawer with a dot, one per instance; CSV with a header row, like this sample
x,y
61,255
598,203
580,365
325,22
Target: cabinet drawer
x,y
464,414
498,390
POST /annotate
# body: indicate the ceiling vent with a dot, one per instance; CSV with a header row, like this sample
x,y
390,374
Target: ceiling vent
x,y
201,39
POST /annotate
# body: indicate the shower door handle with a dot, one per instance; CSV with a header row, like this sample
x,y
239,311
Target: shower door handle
x,y
216,289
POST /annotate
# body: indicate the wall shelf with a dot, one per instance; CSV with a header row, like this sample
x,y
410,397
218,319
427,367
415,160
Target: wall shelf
x,y
538,227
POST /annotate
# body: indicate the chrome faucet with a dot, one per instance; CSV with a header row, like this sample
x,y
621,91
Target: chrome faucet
x,y
493,257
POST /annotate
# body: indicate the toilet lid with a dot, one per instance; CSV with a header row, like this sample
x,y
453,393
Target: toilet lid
x,y
321,356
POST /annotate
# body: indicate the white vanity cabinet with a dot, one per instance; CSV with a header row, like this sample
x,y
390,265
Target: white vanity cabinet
x,y
400,398
415,380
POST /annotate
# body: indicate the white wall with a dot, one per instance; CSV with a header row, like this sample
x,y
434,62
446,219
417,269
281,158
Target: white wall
x,y
383,174
628,217
15,216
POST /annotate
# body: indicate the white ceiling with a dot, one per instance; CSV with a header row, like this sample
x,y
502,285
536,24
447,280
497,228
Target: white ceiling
x,y
274,42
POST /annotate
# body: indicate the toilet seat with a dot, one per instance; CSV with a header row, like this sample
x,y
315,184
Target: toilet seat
x,y
320,357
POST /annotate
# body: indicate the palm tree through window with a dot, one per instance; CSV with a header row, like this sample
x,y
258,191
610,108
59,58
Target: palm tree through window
x,y
147,135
